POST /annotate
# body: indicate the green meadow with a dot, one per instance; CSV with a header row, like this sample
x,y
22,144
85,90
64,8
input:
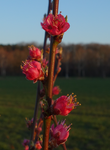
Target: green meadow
x,y
90,128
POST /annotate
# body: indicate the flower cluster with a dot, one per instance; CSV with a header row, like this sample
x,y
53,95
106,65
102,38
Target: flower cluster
x,y
36,68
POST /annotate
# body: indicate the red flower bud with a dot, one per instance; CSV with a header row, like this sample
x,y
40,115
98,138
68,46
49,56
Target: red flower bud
x,y
34,52
55,90
38,145
26,147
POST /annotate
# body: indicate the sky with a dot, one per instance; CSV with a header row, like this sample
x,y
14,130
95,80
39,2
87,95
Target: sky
x,y
89,21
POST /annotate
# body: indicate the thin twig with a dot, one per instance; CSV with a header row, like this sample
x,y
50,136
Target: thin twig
x,y
45,37
35,114
38,88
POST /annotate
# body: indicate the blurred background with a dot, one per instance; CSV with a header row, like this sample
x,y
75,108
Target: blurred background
x,y
85,70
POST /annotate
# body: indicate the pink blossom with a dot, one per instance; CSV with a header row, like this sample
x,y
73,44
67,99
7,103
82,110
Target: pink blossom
x,y
64,105
55,25
32,69
25,142
34,52
38,145
59,134
55,90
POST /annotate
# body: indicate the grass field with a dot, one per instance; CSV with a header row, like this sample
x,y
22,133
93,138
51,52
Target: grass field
x,y
90,121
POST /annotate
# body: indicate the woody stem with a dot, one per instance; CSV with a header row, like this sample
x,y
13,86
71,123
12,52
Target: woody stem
x,y
47,120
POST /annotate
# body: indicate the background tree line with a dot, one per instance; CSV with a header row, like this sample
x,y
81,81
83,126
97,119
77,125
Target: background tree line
x,y
90,60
